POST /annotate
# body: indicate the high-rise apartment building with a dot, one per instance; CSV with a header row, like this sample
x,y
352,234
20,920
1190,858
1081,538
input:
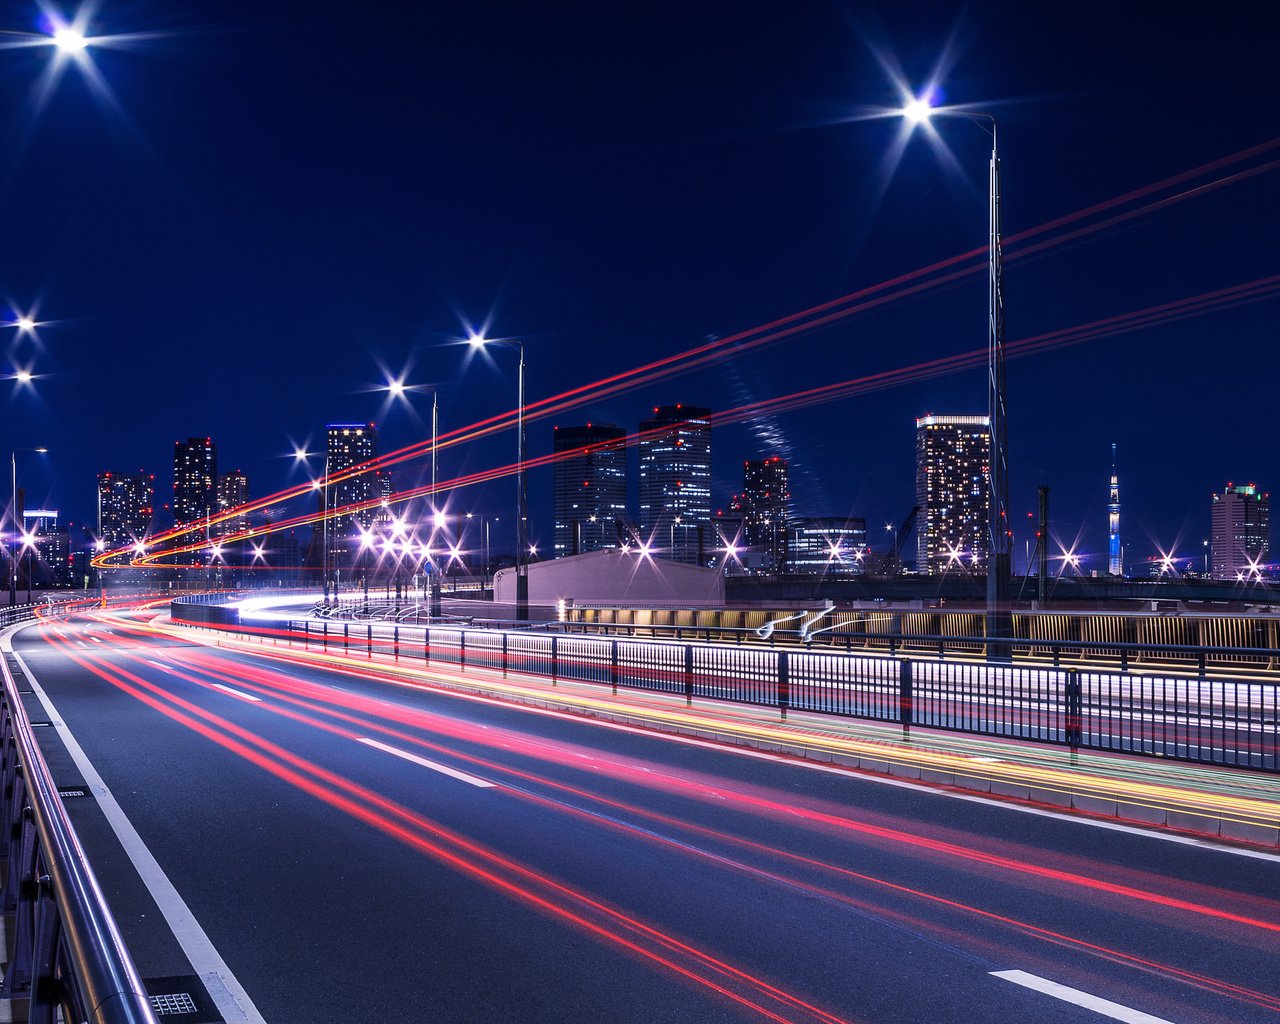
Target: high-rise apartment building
x,y
590,487
764,505
383,488
953,462
233,491
195,490
675,483
1241,529
349,445
126,506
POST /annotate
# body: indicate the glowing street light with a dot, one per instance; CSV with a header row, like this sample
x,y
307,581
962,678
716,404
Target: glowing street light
x,y
477,342
17,526
917,110
70,40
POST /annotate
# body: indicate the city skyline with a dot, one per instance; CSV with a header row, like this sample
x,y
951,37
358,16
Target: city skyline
x,y
737,512
1064,557
330,333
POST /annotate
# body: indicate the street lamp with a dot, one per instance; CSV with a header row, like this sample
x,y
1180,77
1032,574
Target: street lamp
x,y
17,528
522,502
398,389
918,110
301,455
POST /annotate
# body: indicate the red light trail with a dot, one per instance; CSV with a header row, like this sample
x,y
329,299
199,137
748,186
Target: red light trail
x,y
814,318
318,706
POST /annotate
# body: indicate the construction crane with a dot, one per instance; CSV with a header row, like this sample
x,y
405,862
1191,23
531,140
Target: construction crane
x,y
894,561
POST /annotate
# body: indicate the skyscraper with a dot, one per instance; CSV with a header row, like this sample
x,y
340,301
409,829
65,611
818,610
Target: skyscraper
x,y
126,506
349,445
48,559
233,491
195,490
827,545
590,487
1241,526
953,462
383,488
675,483
764,504
1115,564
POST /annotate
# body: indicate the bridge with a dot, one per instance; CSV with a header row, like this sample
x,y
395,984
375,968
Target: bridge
x,y
292,822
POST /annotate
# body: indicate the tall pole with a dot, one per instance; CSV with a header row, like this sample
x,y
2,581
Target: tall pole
x,y
324,535
13,562
433,608
999,614
100,546
1042,549
522,513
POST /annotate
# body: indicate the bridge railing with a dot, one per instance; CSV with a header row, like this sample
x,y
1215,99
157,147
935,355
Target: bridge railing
x,y
1125,654
1229,722
67,961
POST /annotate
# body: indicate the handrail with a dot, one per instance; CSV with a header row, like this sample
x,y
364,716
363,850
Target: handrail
x,y
72,956
832,636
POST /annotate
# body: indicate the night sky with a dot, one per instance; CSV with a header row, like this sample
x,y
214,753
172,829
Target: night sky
x,y
280,201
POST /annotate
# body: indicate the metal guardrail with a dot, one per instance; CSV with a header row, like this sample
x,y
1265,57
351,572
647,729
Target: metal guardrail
x,y
1226,722
68,959
1043,650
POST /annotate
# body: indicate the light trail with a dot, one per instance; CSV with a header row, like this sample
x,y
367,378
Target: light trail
x,y
716,793
1259,289
659,948
318,700
813,318
1183,788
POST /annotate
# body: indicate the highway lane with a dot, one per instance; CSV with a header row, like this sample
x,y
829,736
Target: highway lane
x,y
363,851
1217,720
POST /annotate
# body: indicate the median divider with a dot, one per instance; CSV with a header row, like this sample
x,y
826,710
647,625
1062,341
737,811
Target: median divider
x,y
941,723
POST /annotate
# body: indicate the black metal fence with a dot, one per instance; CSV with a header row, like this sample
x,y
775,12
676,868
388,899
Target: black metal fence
x,y
1229,722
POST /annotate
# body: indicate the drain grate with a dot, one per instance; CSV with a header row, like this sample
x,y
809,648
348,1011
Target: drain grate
x,y
64,793
181,998
173,1003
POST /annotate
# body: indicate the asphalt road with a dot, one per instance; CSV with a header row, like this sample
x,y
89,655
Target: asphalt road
x,y
361,851
1216,720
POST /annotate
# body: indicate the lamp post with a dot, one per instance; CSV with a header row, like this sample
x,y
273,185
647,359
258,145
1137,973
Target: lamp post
x,y
17,527
522,501
399,389
999,614
322,485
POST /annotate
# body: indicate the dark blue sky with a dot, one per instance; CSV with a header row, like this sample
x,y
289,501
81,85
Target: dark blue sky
x,y
287,194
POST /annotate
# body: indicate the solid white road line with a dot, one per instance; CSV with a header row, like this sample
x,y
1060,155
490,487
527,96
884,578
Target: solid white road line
x,y
1073,995
435,766
224,989
237,693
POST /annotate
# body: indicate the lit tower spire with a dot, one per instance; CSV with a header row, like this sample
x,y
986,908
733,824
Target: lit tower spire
x,y
1114,565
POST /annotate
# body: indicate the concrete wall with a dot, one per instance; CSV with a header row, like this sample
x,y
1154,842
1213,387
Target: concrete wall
x,y
611,577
